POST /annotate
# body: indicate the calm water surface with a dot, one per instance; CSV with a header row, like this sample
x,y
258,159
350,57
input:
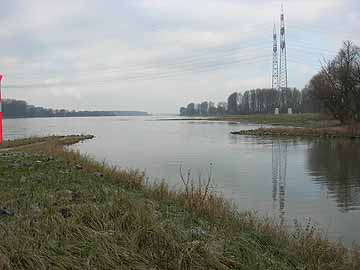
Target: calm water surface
x,y
282,179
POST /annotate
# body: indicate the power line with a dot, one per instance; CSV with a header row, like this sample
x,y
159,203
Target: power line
x,y
212,58
194,65
137,77
177,63
316,29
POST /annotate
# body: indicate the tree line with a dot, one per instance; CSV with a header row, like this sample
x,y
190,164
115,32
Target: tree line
x,y
335,89
257,101
20,109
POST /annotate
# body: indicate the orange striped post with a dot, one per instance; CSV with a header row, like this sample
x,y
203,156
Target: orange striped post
x,y
1,131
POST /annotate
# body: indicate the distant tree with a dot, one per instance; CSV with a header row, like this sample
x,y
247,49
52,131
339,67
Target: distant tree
x,y
221,108
308,102
295,102
233,103
337,85
190,109
204,108
197,108
252,101
245,104
212,109
20,109
183,111
260,101
14,108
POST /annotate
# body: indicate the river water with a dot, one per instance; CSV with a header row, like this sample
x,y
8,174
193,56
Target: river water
x,y
284,179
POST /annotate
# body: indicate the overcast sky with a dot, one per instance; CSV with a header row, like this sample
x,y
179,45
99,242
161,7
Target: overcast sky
x,y
157,55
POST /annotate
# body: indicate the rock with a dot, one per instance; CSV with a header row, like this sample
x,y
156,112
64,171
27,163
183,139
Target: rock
x,y
98,174
217,247
4,263
23,179
65,212
228,263
36,209
75,196
198,232
78,166
5,213
66,192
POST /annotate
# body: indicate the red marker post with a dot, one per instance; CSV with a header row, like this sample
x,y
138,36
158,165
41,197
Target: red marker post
x,y
1,133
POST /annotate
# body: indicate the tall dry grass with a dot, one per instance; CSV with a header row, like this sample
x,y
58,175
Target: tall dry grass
x,y
122,221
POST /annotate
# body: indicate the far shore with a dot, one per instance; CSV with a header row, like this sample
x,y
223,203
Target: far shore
x,y
312,120
287,125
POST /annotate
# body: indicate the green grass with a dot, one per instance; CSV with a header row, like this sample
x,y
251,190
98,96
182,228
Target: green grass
x,y
64,140
67,211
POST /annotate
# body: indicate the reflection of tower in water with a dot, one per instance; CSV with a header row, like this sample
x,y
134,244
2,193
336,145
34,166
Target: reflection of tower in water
x,y
279,169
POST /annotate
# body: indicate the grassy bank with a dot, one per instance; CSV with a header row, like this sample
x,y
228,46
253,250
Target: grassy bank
x,y
297,120
338,132
309,120
62,140
61,210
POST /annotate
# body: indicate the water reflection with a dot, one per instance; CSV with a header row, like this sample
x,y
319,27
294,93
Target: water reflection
x,y
295,173
336,166
279,174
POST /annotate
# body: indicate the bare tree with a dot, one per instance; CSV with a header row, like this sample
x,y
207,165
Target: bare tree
x,y
337,84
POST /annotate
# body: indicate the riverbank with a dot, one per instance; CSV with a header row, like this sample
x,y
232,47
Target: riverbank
x,y
62,210
293,125
309,120
62,140
328,133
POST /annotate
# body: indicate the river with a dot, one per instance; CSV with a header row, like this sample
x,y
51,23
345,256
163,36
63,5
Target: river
x,y
284,179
